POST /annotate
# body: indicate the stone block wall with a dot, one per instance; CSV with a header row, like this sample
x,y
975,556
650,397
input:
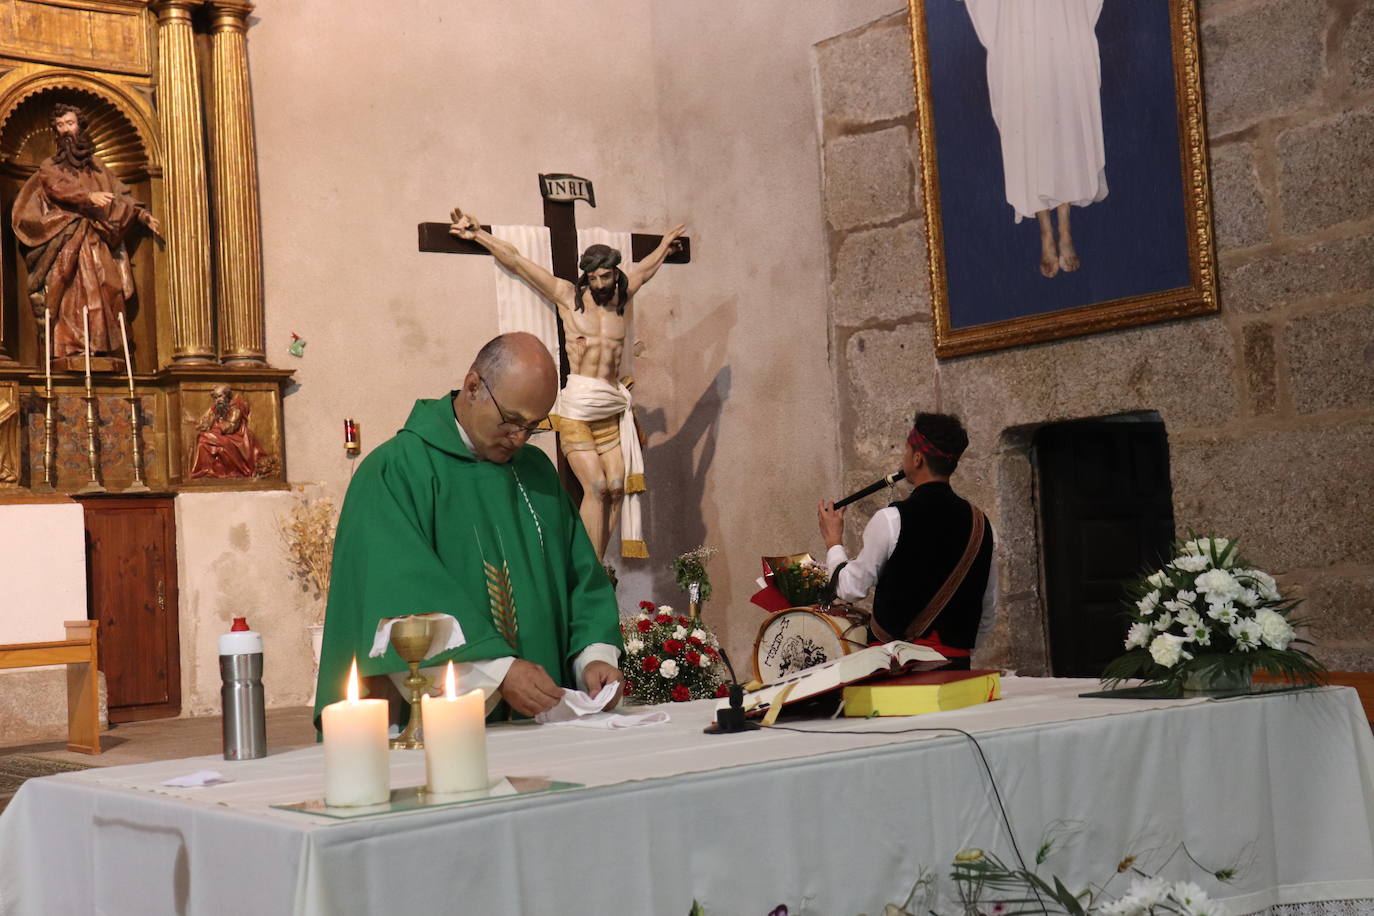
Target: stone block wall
x,y
1268,405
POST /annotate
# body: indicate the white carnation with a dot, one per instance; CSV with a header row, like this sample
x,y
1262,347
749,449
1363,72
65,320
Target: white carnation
x,y
668,669
1274,631
634,645
679,632
1167,650
1248,597
1246,633
664,609
699,634
1139,635
704,661
1218,585
1264,584
1190,563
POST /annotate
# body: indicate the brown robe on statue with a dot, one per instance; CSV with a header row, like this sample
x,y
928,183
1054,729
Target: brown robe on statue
x,y
225,446
76,250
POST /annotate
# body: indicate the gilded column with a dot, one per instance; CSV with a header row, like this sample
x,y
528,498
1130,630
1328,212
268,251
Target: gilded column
x,y
233,164
188,219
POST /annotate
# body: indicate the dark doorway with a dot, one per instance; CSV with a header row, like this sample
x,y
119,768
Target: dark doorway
x,y
1106,510
132,576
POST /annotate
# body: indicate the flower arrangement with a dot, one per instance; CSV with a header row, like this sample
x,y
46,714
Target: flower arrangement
x,y
669,658
1210,617
308,535
690,569
801,583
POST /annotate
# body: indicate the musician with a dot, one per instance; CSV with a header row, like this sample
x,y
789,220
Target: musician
x,y
928,558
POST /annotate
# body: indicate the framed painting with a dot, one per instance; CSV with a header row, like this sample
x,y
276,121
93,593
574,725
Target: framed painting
x,y
1064,166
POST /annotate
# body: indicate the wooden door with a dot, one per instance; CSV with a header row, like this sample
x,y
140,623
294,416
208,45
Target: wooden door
x,y
1106,513
132,589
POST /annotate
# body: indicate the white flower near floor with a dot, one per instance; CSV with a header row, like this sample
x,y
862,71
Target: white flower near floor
x,y
634,645
1167,650
1210,615
668,669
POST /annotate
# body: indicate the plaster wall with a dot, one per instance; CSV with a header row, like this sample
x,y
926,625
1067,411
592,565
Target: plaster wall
x,y
383,116
1268,405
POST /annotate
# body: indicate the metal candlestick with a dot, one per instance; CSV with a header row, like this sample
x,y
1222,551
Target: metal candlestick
x,y
138,486
93,485
49,484
410,637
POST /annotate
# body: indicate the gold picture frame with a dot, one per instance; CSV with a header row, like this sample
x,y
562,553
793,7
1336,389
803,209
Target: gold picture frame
x,y
969,313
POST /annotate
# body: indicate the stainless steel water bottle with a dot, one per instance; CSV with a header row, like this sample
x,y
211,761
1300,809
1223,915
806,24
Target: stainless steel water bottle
x,y
240,670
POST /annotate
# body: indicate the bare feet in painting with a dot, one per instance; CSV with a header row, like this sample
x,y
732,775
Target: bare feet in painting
x,y
1049,254
1068,257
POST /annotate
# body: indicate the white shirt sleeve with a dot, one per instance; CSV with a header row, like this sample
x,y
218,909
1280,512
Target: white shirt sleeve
x,y
880,539
596,652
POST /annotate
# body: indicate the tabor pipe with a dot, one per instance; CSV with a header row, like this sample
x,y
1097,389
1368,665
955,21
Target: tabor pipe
x,y
874,487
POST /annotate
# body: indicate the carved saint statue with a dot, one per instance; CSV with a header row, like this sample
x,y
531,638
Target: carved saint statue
x,y
72,216
225,446
594,401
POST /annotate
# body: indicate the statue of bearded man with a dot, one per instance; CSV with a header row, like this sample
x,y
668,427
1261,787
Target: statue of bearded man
x,y
72,217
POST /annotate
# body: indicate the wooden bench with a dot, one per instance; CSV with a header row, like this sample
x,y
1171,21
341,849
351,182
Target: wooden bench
x,y
78,653
1362,681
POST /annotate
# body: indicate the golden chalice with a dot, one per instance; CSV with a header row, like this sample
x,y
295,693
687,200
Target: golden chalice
x,y
410,637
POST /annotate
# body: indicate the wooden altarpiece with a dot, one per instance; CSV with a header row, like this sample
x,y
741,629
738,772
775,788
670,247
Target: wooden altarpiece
x,y
164,88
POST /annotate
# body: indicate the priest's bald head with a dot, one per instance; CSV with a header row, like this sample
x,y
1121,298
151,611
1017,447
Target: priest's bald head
x,y
506,395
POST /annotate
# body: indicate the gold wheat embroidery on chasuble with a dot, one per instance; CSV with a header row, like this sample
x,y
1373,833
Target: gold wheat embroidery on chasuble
x,y
501,597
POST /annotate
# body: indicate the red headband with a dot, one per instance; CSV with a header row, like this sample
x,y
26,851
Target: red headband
x,y
921,444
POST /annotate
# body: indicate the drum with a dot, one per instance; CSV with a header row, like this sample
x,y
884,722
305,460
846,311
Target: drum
x,y
799,638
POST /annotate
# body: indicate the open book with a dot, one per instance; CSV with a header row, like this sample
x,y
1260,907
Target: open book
x,y
889,658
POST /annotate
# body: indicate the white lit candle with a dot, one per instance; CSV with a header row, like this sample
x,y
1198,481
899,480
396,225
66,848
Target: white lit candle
x,y
357,769
455,739
86,326
47,346
128,363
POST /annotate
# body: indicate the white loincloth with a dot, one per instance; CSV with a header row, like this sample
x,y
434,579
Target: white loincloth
x,y
585,398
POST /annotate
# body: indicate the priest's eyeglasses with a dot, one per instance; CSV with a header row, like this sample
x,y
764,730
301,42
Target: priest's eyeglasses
x,y
514,426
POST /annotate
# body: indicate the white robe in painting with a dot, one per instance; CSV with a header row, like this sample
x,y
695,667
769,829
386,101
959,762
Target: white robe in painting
x,y
1045,84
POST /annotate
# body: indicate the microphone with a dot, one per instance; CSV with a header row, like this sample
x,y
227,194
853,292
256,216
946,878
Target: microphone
x,y
731,719
874,487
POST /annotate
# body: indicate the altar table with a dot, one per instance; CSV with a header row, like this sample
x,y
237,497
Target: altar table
x,y
1280,786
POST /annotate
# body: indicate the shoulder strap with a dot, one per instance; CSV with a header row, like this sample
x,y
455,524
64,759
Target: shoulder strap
x,y
956,578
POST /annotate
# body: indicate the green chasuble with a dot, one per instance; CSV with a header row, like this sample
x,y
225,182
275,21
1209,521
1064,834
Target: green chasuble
x,y
427,527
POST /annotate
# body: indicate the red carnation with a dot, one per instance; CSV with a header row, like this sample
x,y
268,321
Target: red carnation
x,y
684,621
650,664
629,687
644,626
672,646
723,690
694,641
681,694
712,652
694,658
646,605
663,618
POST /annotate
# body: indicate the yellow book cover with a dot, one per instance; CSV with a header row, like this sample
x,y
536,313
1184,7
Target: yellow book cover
x,y
923,692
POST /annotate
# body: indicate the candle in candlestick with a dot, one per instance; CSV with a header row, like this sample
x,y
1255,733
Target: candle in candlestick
x,y
47,346
455,739
128,363
86,327
357,770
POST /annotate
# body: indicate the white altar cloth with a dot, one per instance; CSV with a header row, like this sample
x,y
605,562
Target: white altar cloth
x,y
1282,785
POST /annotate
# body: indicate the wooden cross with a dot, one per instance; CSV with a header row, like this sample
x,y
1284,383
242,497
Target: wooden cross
x,y
560,193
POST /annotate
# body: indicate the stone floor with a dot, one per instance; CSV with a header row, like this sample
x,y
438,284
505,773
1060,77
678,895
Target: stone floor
x,y
170,739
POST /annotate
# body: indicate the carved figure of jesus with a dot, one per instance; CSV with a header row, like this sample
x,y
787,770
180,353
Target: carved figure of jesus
x,y
595,312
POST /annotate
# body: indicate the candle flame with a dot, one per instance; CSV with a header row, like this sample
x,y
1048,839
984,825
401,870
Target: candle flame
x,y
450,684
353,682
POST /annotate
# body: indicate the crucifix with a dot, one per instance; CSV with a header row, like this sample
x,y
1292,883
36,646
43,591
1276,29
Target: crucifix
x,y
590,295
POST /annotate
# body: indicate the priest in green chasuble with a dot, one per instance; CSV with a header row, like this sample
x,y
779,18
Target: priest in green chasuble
x,y
454,514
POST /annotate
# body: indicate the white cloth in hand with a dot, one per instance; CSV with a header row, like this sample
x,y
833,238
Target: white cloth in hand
x,y
579,708
447,634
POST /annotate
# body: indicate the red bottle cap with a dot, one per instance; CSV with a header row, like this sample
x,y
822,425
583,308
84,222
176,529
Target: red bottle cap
x,y
240,623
